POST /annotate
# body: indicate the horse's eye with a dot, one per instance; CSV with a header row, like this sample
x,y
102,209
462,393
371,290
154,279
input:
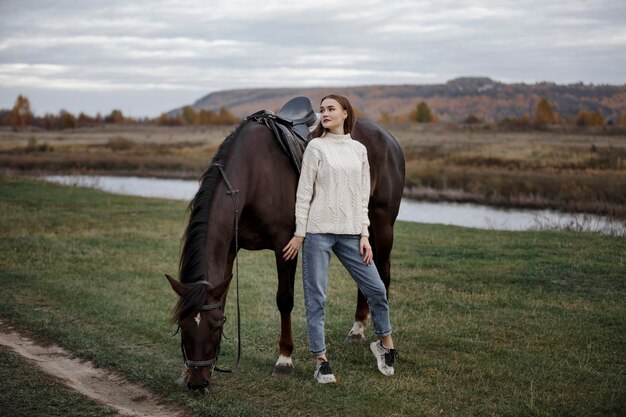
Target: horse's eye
x,y
216,323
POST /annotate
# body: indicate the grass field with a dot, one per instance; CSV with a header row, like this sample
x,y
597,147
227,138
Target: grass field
x,y
486,322
33,393
583,171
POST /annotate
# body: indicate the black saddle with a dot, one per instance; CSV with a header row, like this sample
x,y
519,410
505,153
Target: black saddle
x,y
298,111
290,126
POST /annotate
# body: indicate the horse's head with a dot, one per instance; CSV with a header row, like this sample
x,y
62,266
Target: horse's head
x,y
200,315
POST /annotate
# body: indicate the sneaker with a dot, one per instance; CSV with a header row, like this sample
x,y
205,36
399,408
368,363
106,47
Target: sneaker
x,y
323,374
384,357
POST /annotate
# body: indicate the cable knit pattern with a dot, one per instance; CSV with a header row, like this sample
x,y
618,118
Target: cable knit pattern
x,y
334,187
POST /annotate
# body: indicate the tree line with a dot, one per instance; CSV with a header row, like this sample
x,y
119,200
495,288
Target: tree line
x,y
543,116
21,116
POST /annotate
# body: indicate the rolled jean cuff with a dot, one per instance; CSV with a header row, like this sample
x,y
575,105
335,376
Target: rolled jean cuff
x,y
323,352
383,334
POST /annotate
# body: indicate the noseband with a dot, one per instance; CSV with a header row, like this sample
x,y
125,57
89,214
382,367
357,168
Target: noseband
x,y
209,362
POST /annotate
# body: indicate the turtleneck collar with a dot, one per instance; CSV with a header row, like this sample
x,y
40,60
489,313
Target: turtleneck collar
x,y
329,135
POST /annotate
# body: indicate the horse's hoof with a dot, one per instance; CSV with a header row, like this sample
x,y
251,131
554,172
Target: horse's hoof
x,y
283,371
353,338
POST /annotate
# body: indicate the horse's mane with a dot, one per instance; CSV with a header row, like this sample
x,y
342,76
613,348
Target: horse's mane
x,y
192,265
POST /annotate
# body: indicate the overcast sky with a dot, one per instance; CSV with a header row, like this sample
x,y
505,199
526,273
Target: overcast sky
x,y
146,57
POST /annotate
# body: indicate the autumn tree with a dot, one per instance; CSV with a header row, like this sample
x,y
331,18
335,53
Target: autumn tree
x,y
115,116
85,120
544,115
206,117
225,117
596,118
5,117
21,114
582,119
586,118
622,120
189,115
472,119
423,113
66,120
48,121
166,120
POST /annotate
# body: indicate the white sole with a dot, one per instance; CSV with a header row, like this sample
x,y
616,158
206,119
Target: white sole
x,y
382,367
326,380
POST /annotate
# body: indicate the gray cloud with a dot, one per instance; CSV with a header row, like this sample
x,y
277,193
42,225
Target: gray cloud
x,y
150,56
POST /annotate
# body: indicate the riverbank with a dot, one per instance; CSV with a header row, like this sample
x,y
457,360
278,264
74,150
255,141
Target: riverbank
x,y
569,171
486,322
440,212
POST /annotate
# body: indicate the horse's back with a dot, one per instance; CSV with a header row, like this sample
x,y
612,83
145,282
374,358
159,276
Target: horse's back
x,y
387,168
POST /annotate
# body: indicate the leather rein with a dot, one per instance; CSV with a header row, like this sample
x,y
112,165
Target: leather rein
x,y
212,363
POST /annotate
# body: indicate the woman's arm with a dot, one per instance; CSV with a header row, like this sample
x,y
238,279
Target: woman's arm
x,y
364,244
365,194
306,187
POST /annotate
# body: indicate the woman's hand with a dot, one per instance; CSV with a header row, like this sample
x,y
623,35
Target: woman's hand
x,y
291,250
366,250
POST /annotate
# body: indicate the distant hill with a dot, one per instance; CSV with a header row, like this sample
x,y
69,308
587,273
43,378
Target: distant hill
x,y
453,101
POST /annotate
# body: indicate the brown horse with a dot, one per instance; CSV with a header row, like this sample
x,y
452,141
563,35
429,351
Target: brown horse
x,y
252,183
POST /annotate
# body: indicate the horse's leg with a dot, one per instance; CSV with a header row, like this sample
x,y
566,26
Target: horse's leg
x,y
284,301
357,332
381,240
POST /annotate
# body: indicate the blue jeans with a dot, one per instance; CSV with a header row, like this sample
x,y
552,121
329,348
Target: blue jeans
x,y
316,253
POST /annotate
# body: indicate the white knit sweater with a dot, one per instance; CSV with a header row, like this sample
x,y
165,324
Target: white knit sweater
x,y
334,187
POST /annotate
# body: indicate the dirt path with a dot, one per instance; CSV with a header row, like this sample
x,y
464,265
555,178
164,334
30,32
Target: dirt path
x,y
103,386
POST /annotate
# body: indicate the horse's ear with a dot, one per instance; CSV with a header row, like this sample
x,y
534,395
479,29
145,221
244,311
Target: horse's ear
x,y
221,288
179,288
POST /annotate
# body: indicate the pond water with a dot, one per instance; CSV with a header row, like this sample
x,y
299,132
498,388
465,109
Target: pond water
x,y
458,214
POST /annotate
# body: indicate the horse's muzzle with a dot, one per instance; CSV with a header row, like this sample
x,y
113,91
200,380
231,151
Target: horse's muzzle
x,y
203,387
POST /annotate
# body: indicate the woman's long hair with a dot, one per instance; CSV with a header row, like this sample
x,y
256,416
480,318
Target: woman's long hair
x,y
348,124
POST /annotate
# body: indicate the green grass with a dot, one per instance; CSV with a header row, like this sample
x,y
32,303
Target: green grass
x,y
486,322
29,392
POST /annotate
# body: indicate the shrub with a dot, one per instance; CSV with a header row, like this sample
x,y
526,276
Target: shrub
x,y
472,119
423,113
120,144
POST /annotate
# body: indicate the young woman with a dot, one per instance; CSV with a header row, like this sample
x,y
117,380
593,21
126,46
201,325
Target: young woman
x,y
331,216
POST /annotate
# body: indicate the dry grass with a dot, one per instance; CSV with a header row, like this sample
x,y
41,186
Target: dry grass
x,y
180,152
572,171
579,171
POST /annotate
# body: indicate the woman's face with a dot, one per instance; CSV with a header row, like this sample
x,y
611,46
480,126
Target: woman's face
x,y
332,116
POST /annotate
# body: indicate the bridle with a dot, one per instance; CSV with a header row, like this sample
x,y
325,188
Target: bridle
x,y
212,363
